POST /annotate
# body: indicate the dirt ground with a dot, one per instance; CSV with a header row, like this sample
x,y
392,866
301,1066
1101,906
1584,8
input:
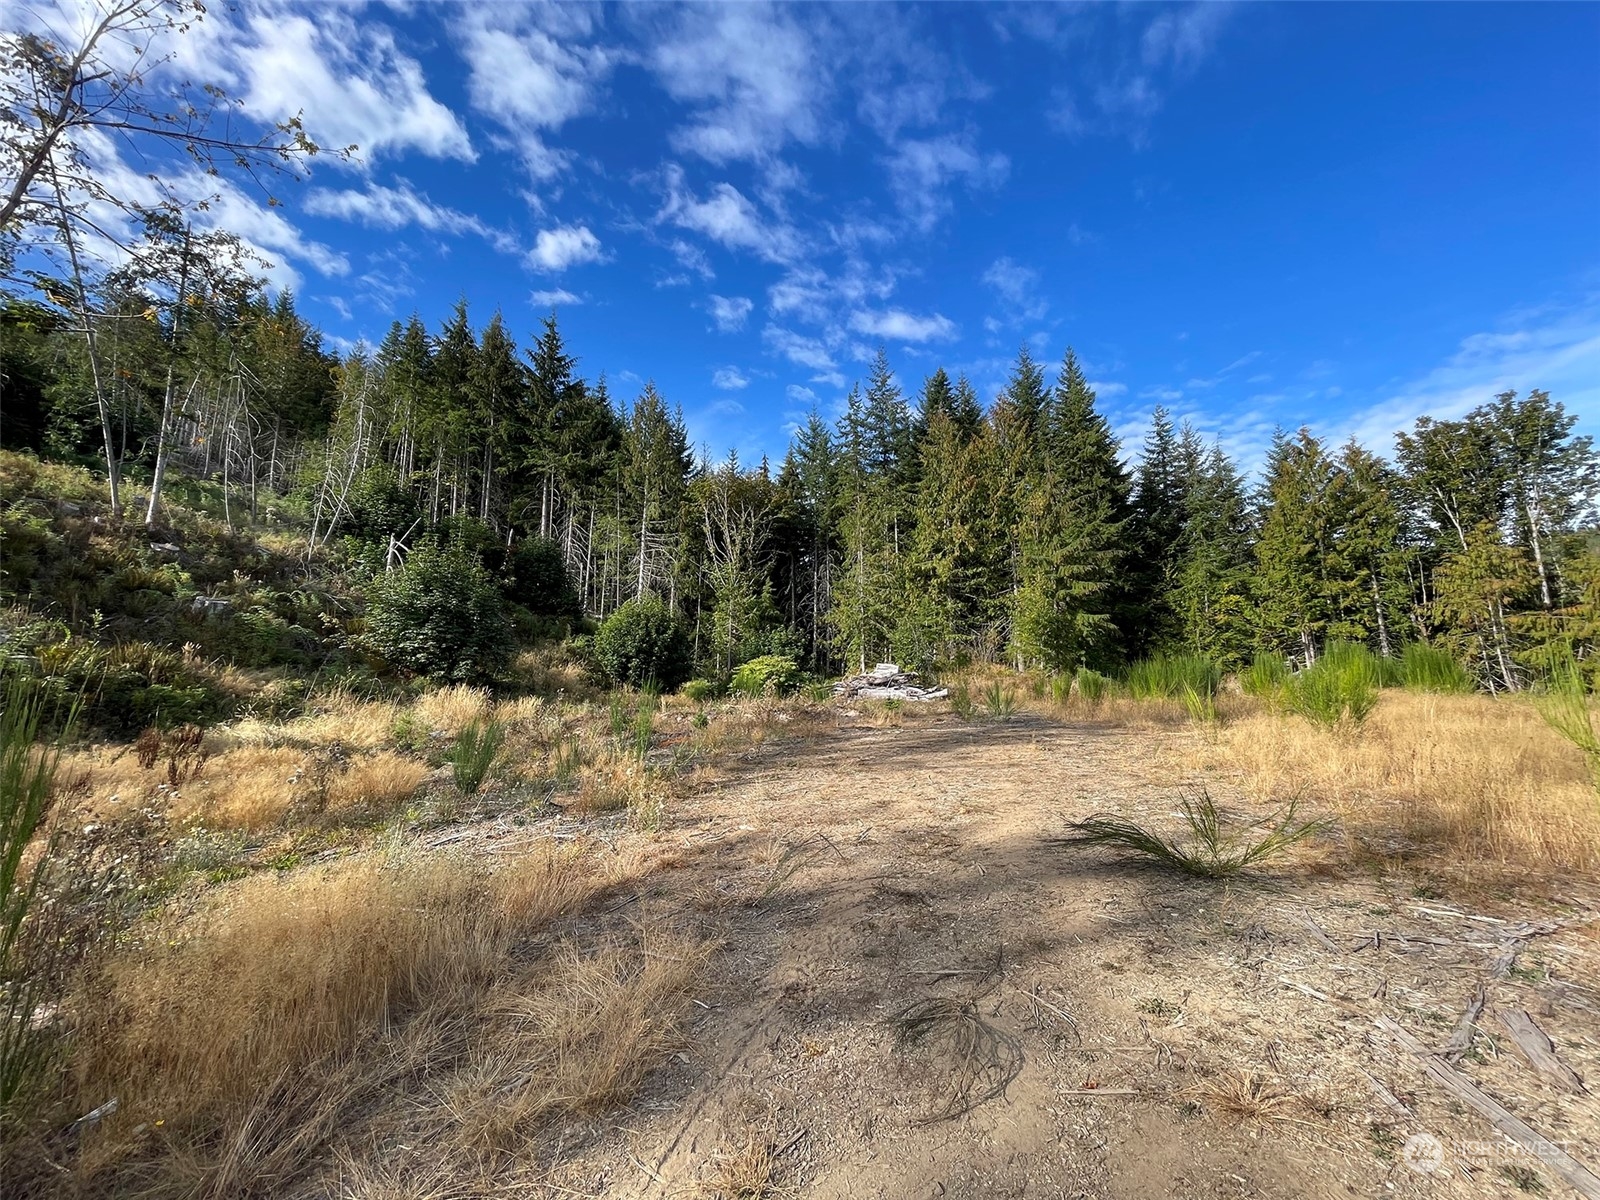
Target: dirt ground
x,y
898,940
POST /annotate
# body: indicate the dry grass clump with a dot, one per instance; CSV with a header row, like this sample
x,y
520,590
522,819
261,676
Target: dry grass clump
x,y
247,787
752,1170
336,718
452,708
239,1050
378,783
1479,778
580,1043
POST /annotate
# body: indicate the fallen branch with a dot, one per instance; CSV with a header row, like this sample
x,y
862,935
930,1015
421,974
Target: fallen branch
x,y
1461,1040
1535,1046
1507,1122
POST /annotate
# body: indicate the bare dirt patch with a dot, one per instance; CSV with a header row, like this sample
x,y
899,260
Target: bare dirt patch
x,y
916,996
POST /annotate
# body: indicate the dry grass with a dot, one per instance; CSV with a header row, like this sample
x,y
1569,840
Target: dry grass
x,y
374,992
750,1171
1248,1097
376,784
1471,778
451,709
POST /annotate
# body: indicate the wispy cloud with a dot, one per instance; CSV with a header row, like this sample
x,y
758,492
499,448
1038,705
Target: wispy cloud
x,y
728,217
729,379
797,348
729,313
555,298
895,324
921,171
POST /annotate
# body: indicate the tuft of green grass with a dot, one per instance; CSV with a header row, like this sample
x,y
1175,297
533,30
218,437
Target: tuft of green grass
x,y
1267,676
1340,688
643,727
962,703
1564,705
1164,676
999,701
1211,851
474,753
1426,668
1201,706
1091,686
28,766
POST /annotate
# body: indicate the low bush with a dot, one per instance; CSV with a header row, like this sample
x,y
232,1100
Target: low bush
x,y
644,644
440,615
128,688
701,690
770,674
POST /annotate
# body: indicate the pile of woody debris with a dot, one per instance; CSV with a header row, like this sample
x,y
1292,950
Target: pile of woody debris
x,y
886,681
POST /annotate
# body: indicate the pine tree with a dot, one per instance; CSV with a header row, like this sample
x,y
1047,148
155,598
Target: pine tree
x,y
1073,513
1156,532
1210,594
1293,610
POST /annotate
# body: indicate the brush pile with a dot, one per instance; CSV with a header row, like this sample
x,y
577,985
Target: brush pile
x,y
886,681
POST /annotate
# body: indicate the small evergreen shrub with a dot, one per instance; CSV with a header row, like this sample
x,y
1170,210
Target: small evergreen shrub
x,y
701,690
775,673
644,643
440,615
1425,668
999,701
537,579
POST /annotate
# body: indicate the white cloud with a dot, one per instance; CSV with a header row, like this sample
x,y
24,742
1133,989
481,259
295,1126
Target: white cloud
x,y
797,348
729,379
730,312
345,74
920,171
896,324
727,217
692,257
755,78
1554,347
564,246
800,395
831,378
1108,389
553,298
1131,70
394,208
531,71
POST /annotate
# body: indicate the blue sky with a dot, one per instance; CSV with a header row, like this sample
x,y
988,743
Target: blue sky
x,y
1255,214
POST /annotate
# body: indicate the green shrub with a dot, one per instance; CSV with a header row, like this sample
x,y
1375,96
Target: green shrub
x,y
379,506
440,615
642,643
701,690
1425,668
128,688
475,751
1563,702
1342,686
1165,676
777,674
1266,676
